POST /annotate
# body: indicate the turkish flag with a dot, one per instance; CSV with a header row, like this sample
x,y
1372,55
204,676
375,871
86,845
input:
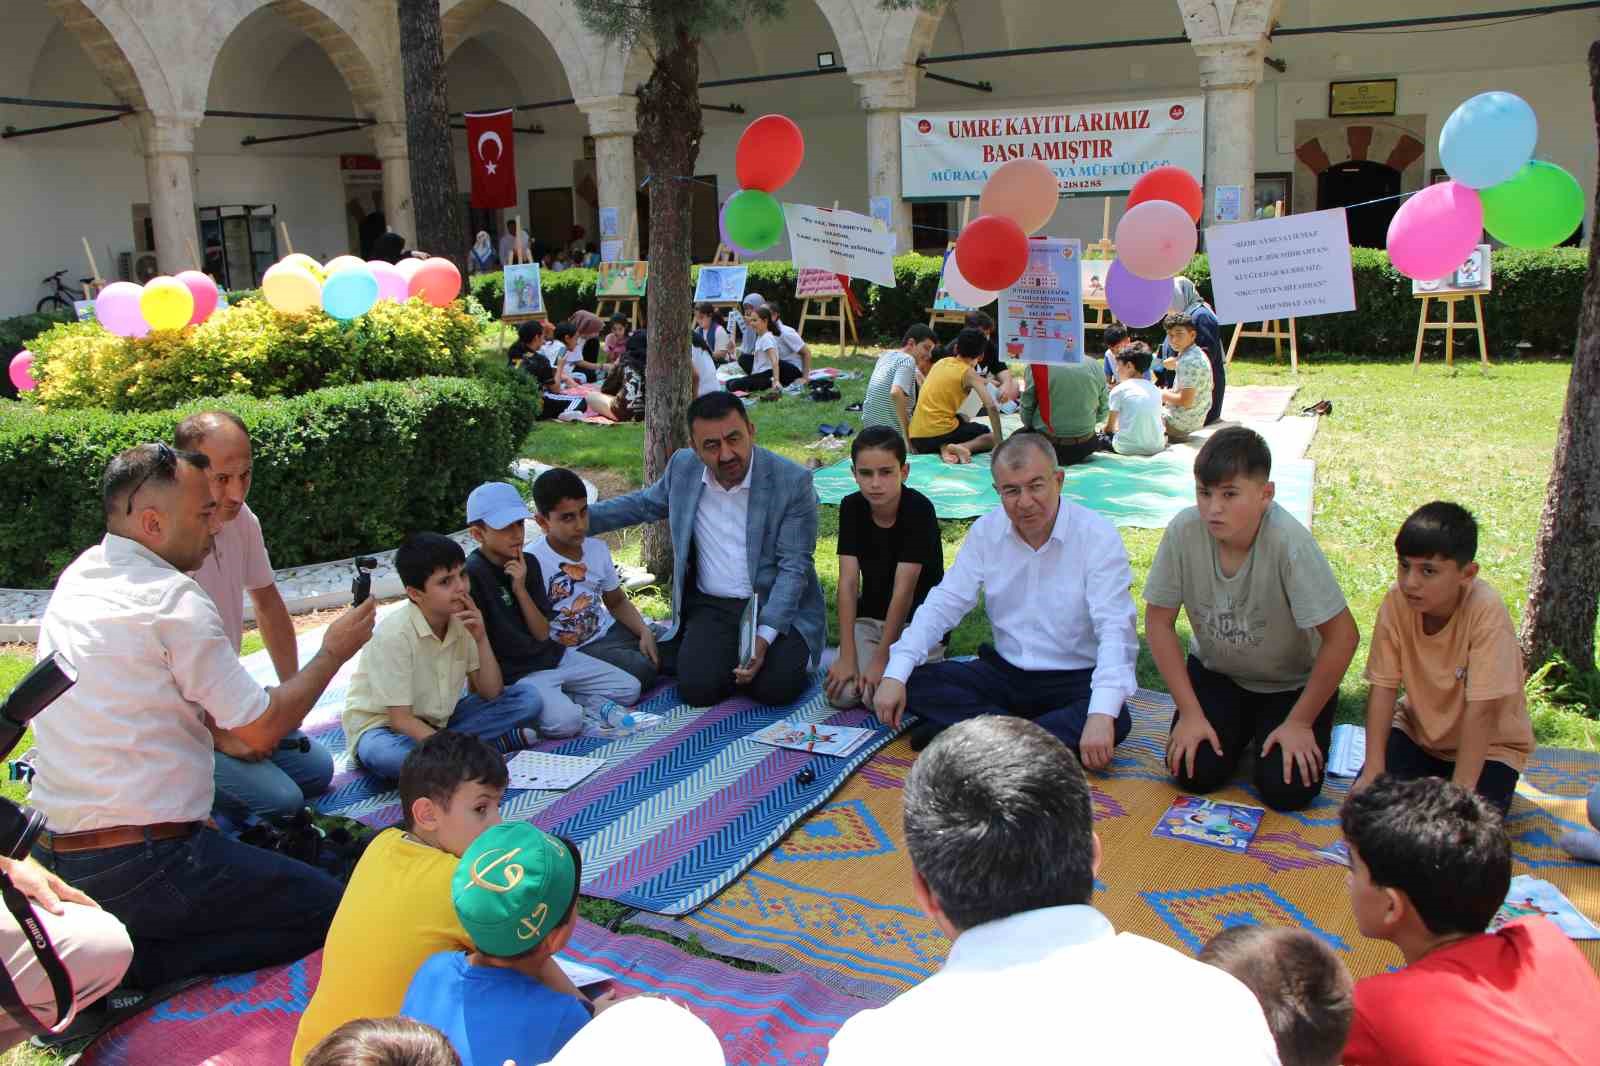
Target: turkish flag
x,y
492,147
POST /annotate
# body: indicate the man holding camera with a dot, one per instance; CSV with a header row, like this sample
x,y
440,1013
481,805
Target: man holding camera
x,y
267,784
124,758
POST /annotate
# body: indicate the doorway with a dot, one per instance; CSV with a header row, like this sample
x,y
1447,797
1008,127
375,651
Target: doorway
x,y
1357,182
550,218
704,234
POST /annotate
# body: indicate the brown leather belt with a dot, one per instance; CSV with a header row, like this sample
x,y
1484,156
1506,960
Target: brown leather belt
x,y
1070,441
115,836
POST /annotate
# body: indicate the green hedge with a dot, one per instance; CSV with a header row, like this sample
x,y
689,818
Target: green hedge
x,y
15,333
1535,299
338,471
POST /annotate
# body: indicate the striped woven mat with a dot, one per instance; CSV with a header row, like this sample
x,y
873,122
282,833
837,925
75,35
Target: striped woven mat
x,y
834,899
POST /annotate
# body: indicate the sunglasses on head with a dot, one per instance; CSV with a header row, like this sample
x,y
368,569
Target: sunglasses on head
x,y
166,464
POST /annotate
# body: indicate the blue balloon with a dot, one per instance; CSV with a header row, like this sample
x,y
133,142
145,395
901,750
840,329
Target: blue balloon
x,y
1488,139
349,293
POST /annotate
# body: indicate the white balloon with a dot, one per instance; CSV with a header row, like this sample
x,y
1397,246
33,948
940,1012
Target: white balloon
x,y
962,291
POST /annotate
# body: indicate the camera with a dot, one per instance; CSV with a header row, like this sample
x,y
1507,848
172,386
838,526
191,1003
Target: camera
x,y
361,587
43,685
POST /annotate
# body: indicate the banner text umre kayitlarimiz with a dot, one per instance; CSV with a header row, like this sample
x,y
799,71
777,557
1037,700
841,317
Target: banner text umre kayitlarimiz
x,y
991,129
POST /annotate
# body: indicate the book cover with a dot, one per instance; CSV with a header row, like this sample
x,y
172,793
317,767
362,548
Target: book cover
x,y
747,629
813,737
1533,895
1229,826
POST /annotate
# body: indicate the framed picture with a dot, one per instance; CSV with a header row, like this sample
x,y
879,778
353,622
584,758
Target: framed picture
x,y
1474,275
1362,97
1271,190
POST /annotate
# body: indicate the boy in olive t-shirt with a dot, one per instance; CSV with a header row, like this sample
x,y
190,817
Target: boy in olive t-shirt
x,y
1272,634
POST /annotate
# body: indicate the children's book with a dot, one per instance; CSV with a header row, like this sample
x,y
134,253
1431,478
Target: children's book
x,y
580,974
812,737
747,629
540,769
1347,753
1533,895
1229,826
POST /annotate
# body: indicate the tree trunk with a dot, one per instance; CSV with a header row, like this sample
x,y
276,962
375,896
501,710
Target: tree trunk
x,y
669,143
434,198
1564,592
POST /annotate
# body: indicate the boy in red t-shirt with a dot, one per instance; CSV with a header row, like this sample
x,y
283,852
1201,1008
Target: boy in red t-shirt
x,y
1430,863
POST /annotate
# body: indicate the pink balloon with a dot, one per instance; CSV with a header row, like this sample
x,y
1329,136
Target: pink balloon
x,y
408,268
391,283
1156,239
117,309
1433,232
962,291
1136,301
22,371
1023,190
205,294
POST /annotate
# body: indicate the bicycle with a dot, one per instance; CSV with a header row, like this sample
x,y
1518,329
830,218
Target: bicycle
x,y
63,296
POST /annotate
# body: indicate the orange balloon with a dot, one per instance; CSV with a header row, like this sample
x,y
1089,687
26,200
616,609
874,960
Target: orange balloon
x,y
1023,190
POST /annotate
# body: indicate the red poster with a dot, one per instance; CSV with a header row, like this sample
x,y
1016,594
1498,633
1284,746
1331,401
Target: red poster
x,y
491,146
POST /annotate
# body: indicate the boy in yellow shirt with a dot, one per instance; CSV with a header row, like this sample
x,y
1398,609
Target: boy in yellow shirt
x,y
1445,637
937,427
397,911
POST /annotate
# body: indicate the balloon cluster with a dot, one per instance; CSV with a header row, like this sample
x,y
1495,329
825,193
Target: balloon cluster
x,y
1156,238
1486,147
992,250
130,310
770,152
348,287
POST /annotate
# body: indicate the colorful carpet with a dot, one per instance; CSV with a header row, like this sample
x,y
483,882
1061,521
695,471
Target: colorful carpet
x,y
834,899
250,1019
678,811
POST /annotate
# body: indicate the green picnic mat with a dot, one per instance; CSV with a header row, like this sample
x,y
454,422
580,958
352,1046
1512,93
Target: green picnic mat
x,y
1141,491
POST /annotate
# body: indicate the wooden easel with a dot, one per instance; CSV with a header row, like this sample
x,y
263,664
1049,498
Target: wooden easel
x,y
631,306
958,318
521,254
1450,326
1097,313
287,243
96,282
832,309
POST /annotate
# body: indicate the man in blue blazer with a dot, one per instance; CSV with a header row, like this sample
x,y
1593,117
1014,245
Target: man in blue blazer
x,y
744,522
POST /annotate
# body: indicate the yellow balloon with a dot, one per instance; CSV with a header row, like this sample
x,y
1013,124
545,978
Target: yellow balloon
x,y
166,303
301,259
291,288
343,262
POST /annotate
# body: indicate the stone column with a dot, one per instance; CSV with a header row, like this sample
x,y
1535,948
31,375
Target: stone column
x,y
1230,74
389,141
169,173
885,94
613,120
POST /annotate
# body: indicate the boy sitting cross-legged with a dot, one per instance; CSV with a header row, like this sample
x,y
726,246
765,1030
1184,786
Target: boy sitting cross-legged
x,y
1272,633
1444,636
1430,864
889,543
396,910
591,610
408,681
515,891
1133,426
509,587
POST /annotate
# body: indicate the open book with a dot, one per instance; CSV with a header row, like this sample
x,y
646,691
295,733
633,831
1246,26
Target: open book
x,y
813,737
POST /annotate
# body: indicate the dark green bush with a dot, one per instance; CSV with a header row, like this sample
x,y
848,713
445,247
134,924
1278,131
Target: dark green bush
x,y
338,471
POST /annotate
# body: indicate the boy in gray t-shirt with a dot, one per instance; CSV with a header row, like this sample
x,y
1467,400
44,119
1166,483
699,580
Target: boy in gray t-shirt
x,y
1272,634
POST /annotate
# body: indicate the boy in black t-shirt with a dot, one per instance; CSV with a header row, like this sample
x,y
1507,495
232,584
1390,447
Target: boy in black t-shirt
x,y
890,557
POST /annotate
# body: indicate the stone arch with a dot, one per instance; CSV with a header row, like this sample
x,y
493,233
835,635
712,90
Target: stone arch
x,y
1398,142
125,58
574,46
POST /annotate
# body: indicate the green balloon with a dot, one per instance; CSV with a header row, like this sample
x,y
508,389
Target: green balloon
x,y
754,219
1538,208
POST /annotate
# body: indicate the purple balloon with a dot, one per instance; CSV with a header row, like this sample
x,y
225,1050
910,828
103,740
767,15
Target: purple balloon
x,y
722,228
392,284
117,309
1136,301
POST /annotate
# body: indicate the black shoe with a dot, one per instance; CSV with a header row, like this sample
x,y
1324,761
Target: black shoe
x,y
922,734
854,407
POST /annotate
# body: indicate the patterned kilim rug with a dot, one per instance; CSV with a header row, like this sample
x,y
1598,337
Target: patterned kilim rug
x,y
250,1019
834,899
678,811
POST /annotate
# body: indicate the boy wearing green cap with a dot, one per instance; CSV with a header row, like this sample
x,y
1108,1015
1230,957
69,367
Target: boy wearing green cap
x,y
515,892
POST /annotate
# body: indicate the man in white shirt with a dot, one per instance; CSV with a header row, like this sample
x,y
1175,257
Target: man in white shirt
x,y
1054,578
277,783
123,771
1000,829
514,245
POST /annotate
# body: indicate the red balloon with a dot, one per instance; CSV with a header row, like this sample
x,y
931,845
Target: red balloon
x,y
1170,183
436,280
769,153
992,252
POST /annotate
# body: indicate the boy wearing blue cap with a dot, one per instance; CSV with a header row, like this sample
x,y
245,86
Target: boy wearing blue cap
x,y
515,892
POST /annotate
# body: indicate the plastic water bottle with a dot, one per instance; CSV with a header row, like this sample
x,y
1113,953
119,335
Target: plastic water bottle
x,y
615,716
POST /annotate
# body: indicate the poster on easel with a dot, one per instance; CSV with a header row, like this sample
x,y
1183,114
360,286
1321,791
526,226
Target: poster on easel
x,y
817,284
1041,316
611,250
721,284
942,300
524,294
1093,279
1475,276
623,280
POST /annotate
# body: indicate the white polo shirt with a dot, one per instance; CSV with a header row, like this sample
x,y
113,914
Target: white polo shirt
x,y
128,744
721,556
1059,984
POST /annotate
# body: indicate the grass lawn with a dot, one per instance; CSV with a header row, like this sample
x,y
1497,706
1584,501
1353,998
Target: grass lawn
x,y
1395,441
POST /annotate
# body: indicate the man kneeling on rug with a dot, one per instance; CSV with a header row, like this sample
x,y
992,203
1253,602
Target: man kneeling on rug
x,y
1054,578
1000,827
124,770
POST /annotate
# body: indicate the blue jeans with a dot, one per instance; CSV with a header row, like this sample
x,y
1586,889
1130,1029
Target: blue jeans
x,y
204,904
953,691
276,787
383,750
